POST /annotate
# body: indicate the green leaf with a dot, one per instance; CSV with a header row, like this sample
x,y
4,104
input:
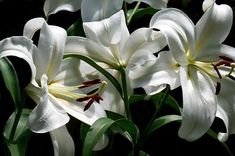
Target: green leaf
x,y
95,132
83,131
113,115
76,29
161,121
141,13
123,126
11,81
18,145
21,128
128,129
170,101
88,60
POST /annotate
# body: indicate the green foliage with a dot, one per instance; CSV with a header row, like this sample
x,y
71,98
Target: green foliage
x,y
11,81
18,144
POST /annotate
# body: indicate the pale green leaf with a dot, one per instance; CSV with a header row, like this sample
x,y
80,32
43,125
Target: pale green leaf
x,y
11,81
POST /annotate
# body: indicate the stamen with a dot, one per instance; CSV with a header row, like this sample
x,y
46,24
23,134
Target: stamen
x,y
226,58
89,83
217,71
93,96
87,106
223,62
231,77
217,88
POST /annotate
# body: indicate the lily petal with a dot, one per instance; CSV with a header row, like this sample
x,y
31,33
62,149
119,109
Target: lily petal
x,y
155,73
69,76
178,29
145,40
213,27
21,47
76,109
99,9
227,51
108,31
207,4
200,103
53,6
32,26
62,142
47,58
225,111
46,116
87,47
157,4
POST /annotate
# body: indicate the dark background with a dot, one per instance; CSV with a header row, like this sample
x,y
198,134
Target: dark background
x,y
165,141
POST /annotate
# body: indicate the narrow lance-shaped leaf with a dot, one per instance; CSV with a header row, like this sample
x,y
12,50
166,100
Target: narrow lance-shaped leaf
x,y
128,129
94,134
123,126
159,122
170,101
76,29
11,81
18,145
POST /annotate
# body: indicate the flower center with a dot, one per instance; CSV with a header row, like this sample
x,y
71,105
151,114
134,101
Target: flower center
x,y
75,93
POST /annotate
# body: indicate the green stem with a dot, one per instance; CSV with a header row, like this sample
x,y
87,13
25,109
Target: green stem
x,y
133,12
18,112
125,92
16,121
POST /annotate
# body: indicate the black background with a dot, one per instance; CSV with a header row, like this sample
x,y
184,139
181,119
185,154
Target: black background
x,y
165,142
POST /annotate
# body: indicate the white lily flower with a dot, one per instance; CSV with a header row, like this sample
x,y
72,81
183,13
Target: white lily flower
x,y
109,43
94,10
56,87
195,62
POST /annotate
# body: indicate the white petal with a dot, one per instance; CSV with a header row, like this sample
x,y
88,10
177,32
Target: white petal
x,y
207,4
76,109
62,142
69,73
47,58
21,47
226,107
199,103
53,6
178,29
32,26
157,4
107,31
227,51
213,27
154,73
99,9
143,40
86,47
46,116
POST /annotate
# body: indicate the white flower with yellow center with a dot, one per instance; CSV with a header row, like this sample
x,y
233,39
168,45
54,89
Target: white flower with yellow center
x,y
198,62
110,45
56,87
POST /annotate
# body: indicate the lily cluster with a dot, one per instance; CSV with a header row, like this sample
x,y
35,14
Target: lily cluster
x,y
88,76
